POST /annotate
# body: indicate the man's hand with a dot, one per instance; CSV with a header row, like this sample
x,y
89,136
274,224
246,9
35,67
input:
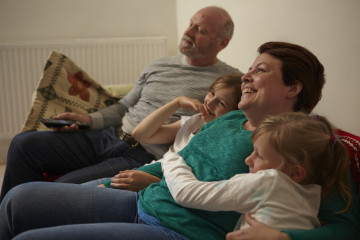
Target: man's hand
x,y
73,116
133,180
256,231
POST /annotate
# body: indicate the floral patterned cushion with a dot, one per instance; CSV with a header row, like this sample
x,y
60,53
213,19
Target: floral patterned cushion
x,y
65,87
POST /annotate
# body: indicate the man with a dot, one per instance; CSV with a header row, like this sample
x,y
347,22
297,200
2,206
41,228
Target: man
x,y
109,147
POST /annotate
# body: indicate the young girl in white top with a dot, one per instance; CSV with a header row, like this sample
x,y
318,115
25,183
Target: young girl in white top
x,y
223,97
296,162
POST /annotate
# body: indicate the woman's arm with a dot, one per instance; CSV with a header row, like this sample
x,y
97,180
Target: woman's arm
x,y
256,231
151,130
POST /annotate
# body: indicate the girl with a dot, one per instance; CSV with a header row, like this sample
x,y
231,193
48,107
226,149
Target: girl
x,y
223,96
293,156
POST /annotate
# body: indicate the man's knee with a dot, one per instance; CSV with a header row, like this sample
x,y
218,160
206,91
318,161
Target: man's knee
x,y
21,141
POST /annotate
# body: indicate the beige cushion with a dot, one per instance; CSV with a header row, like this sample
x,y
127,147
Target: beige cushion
x,y
65,87
119,90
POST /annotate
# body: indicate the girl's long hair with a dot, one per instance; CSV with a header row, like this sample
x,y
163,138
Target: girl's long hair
x,y
311,142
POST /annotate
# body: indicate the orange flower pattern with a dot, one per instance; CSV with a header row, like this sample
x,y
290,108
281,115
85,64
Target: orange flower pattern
x,y
79,86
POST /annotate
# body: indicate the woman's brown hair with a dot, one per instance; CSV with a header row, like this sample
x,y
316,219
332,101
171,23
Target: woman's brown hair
x,y
299,64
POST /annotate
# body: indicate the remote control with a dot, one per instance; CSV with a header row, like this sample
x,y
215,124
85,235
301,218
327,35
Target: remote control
x,y
57,123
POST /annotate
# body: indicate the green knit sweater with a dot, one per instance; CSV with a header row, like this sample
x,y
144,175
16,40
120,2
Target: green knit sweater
x,y
217,152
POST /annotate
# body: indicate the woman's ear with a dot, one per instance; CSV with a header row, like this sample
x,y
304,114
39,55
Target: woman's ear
x,y
295,89
297,173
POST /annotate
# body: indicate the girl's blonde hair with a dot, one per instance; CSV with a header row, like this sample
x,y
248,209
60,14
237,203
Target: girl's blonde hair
x,y
309,141
230,81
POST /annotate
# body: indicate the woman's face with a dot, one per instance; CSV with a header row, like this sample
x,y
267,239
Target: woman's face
x,y
218,101
263,88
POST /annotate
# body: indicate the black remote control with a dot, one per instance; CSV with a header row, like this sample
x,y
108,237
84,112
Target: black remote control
x,y
57,123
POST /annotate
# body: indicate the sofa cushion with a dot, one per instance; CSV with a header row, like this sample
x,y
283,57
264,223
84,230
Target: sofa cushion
x,y
65,87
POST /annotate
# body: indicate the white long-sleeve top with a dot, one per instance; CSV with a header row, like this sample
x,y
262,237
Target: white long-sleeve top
x,y
269,195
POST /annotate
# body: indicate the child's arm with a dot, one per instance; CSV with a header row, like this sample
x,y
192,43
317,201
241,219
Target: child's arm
x,y
188,191
133,180
151,130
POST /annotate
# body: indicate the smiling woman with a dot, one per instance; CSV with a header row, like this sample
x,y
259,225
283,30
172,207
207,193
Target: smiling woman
x,y
290,71
264,84
273,85
260,83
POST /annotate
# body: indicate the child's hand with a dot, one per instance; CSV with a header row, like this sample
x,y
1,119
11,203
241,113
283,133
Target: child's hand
x,y
133,180
193,104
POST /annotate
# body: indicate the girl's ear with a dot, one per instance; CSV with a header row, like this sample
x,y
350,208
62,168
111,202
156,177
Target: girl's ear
x,y
297,173
295,89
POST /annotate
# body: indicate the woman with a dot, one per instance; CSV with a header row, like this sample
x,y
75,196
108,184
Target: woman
x,y
292,84
283,78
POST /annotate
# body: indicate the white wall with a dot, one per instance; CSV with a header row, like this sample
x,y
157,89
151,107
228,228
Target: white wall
x,y
328,28
58,19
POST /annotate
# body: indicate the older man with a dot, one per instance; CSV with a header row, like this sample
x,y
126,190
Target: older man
x,y
108,147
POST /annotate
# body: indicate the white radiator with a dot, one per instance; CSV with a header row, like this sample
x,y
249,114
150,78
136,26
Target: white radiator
x,y
108,61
